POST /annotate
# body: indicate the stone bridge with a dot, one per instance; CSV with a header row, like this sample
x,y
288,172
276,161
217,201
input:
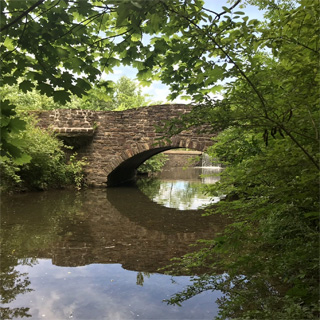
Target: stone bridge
x,y
116,143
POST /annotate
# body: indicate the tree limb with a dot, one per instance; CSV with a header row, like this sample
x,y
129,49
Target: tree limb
x,y
7,26
218,15
231,60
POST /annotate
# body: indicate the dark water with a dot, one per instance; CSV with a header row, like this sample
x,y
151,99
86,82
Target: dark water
x,y
96,254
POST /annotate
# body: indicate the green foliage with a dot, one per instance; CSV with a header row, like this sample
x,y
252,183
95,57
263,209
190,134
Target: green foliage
x,y
30,157
75,168
270,118
61,48
234,144
271,250
122,95
154,164
47,166
30,100
10,126
97,98
9,174
128,95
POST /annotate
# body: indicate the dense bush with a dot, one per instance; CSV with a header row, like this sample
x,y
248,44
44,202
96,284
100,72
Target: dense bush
x,y
46,166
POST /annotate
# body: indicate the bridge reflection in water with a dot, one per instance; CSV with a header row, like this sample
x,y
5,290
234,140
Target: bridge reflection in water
x,y
114,226
98,226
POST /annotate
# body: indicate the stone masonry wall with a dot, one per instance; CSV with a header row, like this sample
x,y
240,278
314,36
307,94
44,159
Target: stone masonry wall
x,y
119,139
181,158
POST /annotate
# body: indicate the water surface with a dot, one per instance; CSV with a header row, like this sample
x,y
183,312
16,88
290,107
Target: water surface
x,y
96,254
182,188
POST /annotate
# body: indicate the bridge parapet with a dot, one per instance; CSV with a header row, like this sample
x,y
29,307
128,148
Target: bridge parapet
x,y
73,132
72,118
70,123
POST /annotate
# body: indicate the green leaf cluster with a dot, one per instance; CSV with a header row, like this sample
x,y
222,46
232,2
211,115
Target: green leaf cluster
x,y
10,126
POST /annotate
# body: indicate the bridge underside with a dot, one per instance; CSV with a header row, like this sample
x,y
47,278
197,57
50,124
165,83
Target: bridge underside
x,y
126,171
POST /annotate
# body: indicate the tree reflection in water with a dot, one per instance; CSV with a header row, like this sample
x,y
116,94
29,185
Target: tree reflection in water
x,y
12,283
140,277
21,236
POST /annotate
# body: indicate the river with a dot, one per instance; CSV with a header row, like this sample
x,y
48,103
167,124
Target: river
x,y
98,253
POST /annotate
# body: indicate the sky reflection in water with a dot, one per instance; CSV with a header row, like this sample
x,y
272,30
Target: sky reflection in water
x,y
182,195
182,188
106,292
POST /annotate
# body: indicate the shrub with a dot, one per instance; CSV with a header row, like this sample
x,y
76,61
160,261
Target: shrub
x,y
47,167
154,164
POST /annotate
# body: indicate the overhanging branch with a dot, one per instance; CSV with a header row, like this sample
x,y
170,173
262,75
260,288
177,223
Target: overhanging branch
x,y
7,26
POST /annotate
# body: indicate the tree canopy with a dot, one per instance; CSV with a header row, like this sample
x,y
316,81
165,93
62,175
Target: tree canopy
x,y
125,94
62,47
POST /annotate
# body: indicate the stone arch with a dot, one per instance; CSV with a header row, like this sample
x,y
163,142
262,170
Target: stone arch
x,y
124,168
115,143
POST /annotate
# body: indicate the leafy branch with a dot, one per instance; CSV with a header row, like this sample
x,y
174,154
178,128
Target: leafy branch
x,y
17,19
